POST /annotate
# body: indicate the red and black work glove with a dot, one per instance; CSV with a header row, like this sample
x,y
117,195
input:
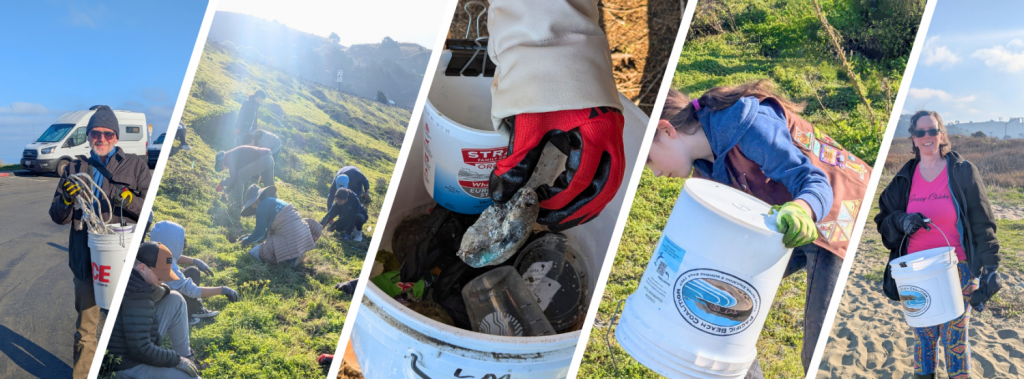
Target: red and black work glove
x,y
592,140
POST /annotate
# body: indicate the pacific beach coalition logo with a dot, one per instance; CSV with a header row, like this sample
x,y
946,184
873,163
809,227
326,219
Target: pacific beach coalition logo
x,y
715,302
915,300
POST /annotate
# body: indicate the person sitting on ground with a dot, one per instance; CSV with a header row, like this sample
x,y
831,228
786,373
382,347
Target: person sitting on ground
x,y
172,235
281,233
265,139
350,214
180,136
244,162
151,310
246,122
356,182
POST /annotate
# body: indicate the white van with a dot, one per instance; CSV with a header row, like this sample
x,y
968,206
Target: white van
x,y
66,138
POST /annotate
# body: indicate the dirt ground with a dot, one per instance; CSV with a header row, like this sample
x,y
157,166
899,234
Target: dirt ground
x,y
640,34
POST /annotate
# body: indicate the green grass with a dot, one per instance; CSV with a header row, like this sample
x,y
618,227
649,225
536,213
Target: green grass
x,y
287,315
10,167
782,41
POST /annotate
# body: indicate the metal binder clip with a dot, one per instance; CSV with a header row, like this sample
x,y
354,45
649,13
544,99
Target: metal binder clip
x,y
466,58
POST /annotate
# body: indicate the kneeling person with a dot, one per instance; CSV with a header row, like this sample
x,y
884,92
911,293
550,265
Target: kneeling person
x,y
151,310
172,235
281,232
350,214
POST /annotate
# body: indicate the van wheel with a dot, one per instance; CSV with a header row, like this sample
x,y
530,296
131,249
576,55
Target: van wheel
x,y
61,166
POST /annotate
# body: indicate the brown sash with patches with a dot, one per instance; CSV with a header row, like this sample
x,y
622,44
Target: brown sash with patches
x,y
847,174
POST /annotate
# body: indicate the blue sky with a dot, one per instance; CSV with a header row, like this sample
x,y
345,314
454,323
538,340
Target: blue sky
x,y
972,66
355,21
61,56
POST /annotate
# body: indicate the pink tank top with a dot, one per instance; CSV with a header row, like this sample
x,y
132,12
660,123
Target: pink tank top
x,y
933,200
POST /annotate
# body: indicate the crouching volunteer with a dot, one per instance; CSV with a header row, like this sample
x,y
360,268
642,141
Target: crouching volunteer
x,y
124,178
243,163
189,284
281,232
350,213
149,311
752,139
575,107
940,186
267,140
180,136
352,178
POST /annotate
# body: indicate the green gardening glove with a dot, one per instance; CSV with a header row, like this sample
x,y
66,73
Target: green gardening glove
x,y
796,224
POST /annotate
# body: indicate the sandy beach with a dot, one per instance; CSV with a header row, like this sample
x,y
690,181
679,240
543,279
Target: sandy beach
x,y
870,339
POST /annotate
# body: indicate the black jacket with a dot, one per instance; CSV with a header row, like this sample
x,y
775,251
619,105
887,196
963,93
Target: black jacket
x,y
135,338
246,121
129,169
357,182
974,216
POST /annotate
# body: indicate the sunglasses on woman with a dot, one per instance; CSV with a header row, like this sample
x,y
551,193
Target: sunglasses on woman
x,y
96,134
922,133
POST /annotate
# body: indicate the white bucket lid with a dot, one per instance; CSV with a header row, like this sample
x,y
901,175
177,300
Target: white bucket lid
x,y
925,258
732,203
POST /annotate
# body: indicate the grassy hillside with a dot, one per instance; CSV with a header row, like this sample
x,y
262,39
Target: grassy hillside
x,y
287,316
731,43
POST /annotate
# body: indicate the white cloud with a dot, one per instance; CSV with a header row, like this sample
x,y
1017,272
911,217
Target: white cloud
x,y
1002,58
928,93
974,111
938,54
23,108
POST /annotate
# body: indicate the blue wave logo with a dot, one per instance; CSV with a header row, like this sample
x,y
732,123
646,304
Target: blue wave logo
x,y
717,302
915,300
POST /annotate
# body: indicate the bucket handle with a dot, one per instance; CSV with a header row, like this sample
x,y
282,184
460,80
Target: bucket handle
x,y
929,221
471,17
415,356
608,335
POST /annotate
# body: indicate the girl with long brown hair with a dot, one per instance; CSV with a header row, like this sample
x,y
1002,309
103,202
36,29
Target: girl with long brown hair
x,y
750,137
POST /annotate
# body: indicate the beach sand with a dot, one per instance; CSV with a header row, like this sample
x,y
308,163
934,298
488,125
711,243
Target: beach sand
x,y
870,339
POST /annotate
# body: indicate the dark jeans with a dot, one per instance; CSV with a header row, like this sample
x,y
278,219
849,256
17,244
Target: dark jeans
x,y
822,272
194,305
180,136
347,222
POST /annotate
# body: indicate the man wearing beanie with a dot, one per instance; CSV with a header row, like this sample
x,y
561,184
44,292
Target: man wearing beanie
x,y
125,184
149,311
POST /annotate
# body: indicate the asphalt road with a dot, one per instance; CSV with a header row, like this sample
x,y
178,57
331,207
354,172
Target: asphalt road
x,y
37,300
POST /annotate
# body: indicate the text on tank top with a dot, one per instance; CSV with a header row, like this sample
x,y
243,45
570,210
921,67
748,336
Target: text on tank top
x,y
934,201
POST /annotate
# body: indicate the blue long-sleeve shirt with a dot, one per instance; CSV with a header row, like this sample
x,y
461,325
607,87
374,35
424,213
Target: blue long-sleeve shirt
x,y
265,214
761,132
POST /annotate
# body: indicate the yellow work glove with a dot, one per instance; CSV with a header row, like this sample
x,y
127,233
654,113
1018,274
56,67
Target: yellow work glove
x,y
126,197
796,224
69,192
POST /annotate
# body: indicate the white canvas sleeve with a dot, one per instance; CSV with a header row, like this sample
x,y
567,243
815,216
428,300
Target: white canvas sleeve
x,y
551,55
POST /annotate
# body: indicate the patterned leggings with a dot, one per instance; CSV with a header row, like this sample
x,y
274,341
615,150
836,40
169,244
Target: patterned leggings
x,y
953,336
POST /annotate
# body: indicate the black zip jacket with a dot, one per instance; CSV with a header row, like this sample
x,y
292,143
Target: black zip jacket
x,y
126,168
975,220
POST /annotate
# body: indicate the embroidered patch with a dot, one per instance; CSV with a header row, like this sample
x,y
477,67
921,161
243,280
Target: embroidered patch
x,y
856,167
825,229
844,214
829,155
804,139
853,206
847,228
816,147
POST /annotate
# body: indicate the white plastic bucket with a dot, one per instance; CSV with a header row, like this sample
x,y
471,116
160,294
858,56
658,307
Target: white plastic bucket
x,y
392,341
460,145
929,286
108,252
708,287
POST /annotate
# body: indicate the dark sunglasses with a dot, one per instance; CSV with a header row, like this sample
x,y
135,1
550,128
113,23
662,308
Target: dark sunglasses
x,y
922,133
96,134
